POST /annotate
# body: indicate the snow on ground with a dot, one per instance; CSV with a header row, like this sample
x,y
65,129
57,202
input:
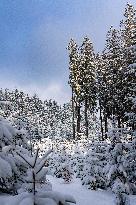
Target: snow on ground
x,y
82,195
12,200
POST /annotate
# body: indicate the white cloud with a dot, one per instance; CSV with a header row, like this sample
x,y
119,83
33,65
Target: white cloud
x,y
54,90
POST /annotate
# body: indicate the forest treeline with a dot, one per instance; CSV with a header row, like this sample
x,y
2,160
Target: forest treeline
x,y
105,82
41,119
103,86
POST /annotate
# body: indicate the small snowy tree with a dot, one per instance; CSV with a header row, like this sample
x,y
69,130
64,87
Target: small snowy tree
x,y
117,178
95,160
11,169
62,165
36,182
77,161
36,171
130,165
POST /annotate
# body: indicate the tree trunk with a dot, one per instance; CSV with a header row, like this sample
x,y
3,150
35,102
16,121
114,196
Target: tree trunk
x,y
78,119
86,116
73,115
106,125
119,122
134,126
101,120
34,191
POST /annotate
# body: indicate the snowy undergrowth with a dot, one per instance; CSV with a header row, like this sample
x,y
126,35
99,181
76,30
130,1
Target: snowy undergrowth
x,y
84,196
23,173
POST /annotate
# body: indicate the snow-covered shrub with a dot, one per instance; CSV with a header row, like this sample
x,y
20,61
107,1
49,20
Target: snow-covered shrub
x,y
77,162
130,165
35,176
62,165
35,182
117,178
11,168
22,171
63,168
95,160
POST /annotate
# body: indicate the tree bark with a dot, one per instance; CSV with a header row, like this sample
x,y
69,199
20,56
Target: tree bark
x,y
73,115
101,120
86,116
78,119
119,122
106,125
34,191
134,125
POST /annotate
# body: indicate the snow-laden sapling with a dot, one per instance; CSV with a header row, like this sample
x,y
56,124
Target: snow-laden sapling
x,y
36,183
95,160
117,178
63,168
130,163
11,170
77,162
36,172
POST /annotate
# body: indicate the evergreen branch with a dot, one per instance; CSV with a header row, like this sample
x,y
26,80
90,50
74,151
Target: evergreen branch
x,y
24,159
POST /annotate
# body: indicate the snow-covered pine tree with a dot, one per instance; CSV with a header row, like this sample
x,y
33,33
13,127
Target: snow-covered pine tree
x,y
113,81
88,78
63,166
101,89
75,83
12,169
65,122
128,33
19,170
117,178
37,189
35,177
77,161
94,163
129,163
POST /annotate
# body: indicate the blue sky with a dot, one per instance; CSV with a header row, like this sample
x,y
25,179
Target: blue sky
x,y
34,35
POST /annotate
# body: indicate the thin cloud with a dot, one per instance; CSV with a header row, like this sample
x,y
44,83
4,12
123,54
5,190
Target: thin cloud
x,y
55,90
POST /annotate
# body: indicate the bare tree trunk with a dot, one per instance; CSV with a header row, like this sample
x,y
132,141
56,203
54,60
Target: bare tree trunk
x,y
101,120
34,191
119,122
134,126
73,114
78,119
106,125
86,116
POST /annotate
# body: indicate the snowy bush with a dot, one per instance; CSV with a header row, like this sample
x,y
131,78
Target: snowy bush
x,y
77,162
117,177
60,164
23,171
130,165
95,160
36,182
11,168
